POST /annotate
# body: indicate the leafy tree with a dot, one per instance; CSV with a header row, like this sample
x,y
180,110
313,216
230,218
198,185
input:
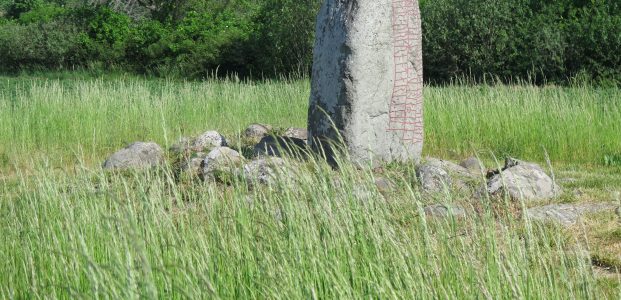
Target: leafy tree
x,y
285,39
17,7
545,41
38,46
43,13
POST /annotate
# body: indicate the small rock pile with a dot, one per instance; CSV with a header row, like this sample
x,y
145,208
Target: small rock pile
x,y
209,157
518,180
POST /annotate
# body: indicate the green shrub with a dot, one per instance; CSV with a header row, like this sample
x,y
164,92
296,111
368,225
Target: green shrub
x,y
44,13
148,46
595,41
543,41
17,7
560,41
209,40
37,46
284,43
105,36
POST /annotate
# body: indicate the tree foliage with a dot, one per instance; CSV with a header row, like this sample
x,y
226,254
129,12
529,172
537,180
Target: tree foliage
x,y
545,41
540,40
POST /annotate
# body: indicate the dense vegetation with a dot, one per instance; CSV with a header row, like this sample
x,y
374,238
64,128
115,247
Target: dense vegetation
x,y
529,39
70,230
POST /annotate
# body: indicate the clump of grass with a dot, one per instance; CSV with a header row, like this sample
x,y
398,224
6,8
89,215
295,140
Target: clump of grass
x,y
101,234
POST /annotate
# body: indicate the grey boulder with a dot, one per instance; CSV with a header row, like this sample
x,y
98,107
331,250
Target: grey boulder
x,y
256,132
136,156
297,133
433,178
523,180
436,175
221,159
567,214
208,141
264,170
473,165
384,185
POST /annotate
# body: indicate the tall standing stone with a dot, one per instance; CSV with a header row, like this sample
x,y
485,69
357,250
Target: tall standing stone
x,y
367,79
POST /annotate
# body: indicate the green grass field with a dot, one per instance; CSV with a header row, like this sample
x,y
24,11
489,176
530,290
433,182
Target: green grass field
x,y
70,230
90,118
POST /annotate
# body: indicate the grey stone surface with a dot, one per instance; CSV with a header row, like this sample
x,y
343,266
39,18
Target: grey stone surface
x,y
445,211
435,175
277,146
135,156
525,181
367,80
221,159
256,132
473,165
208,141
567,214
451,167
264,170
298,133
433,178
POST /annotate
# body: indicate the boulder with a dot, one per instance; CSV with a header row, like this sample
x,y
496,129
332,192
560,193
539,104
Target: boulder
x,y
256,132
220,160
523,180
208,141
435,175
473,165
264,170
451,167
367,83
135,156
279,145
567,214
296,133
433,178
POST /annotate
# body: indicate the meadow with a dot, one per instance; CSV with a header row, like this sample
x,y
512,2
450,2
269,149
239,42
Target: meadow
x,y
70,230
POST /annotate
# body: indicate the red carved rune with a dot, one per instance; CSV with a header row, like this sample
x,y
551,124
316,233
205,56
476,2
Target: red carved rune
x,y
406,105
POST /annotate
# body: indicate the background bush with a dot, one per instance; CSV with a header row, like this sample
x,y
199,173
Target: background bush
x,y
541,41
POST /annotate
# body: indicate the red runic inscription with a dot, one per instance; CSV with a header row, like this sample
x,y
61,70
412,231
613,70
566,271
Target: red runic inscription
x,y
406,107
